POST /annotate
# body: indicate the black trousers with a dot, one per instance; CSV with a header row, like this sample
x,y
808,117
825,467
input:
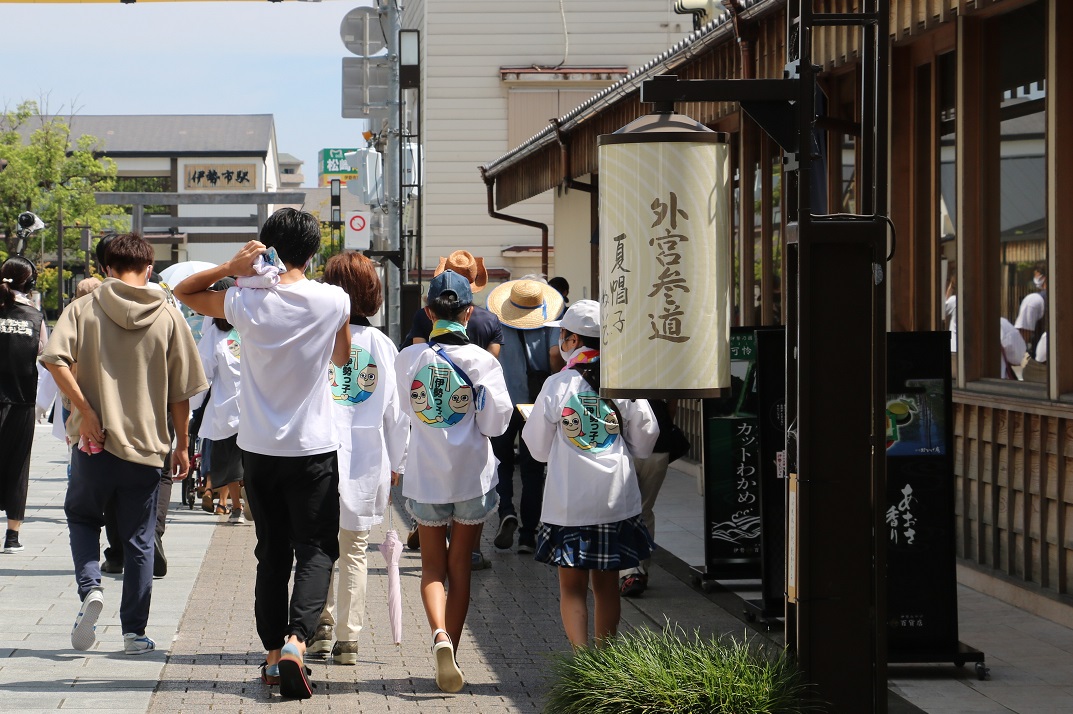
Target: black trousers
x,y
296,500
532,473
16,439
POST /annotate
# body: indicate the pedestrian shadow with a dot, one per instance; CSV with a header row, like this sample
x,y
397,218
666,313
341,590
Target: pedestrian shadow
x,y
81,685
22,572
408,689
51,655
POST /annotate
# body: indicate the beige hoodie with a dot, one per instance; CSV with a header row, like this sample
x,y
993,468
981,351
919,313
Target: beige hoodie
x,y
135,356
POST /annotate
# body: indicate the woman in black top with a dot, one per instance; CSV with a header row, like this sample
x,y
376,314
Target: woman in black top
x,y
21,339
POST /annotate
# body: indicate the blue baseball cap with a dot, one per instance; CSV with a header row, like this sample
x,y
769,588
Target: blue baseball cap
x,y
450,282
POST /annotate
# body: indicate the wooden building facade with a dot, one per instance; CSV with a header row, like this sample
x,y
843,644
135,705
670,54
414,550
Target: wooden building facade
x,y
980,162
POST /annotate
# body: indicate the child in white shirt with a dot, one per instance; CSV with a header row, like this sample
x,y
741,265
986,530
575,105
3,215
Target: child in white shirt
x,y
591,516
374,432
457,398
220,349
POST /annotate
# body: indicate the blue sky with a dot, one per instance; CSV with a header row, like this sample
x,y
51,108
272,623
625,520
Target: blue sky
x,y
282,59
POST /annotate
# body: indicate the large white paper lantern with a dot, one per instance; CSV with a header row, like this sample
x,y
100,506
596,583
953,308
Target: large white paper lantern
x,y
665,207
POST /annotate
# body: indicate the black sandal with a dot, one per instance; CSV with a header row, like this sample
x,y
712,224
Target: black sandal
x,y
270,679
294,678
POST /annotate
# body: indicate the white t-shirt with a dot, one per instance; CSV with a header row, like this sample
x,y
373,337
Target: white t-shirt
x,y
591,479
950,307
1041,348
221,354
1013,345
1032,309
374,429
450,458
288,334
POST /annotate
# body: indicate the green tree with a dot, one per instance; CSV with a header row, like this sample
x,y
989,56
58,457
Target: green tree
x,y
44,172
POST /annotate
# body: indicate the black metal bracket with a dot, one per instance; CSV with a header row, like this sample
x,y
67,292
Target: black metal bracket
x,y
772,103
395,256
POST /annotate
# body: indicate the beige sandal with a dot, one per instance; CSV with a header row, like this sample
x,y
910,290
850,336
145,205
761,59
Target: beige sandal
x,y
448,676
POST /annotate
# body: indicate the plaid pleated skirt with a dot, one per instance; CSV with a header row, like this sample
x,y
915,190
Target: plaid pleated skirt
x,y
608,546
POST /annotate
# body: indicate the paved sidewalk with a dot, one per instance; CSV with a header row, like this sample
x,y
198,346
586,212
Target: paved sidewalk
x,y
202,619
512,632
39,671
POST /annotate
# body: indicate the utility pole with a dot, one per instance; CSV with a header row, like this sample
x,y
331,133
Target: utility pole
x,y
372,91
59,254
392,234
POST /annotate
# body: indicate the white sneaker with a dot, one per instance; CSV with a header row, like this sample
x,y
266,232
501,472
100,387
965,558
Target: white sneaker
x,y
137,644
237,517
84,634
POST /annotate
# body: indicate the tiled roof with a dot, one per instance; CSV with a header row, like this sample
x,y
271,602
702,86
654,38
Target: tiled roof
x,y
175,134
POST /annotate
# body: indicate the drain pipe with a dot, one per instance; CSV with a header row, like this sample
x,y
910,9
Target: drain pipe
x,y
564,162
745,41
489,185
594,209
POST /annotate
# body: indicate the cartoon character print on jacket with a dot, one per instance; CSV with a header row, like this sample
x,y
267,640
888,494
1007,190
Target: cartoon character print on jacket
x,y
589,423
234,344
354,382
438,396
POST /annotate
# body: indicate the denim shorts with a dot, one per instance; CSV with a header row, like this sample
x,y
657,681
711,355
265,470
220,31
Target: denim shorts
x,y
471,512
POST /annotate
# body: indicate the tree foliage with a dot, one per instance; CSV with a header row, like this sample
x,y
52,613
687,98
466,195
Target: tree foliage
x,y
48,174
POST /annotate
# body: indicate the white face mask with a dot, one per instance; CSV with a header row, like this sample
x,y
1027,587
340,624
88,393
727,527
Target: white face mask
x,y
1038,281
569,354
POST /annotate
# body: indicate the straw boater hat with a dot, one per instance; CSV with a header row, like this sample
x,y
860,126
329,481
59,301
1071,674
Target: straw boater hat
x,y
463,263
525,304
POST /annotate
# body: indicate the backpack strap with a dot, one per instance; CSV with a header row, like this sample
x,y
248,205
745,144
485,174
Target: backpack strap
x,y
442,353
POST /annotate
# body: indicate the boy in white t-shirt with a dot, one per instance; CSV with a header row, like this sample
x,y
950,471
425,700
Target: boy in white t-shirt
x,y
290,331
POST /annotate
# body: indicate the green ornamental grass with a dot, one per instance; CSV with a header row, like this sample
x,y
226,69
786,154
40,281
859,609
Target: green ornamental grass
x,y
647,672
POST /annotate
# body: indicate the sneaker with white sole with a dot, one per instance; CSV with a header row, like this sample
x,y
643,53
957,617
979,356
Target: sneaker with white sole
x,y
345,653
84,634
321,644
237,517
508,526
137,644
11,542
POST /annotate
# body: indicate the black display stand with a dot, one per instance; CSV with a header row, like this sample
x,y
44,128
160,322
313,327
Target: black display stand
x,y
771,413
731,463
922,611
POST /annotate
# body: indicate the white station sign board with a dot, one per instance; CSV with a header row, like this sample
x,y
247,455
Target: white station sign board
x,y
359,234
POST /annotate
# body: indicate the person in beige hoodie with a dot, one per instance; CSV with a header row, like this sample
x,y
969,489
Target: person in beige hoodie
x,y
136,362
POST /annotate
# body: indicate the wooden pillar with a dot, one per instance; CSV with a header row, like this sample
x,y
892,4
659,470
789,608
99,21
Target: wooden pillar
x,y
978,330
746,216
1059,207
